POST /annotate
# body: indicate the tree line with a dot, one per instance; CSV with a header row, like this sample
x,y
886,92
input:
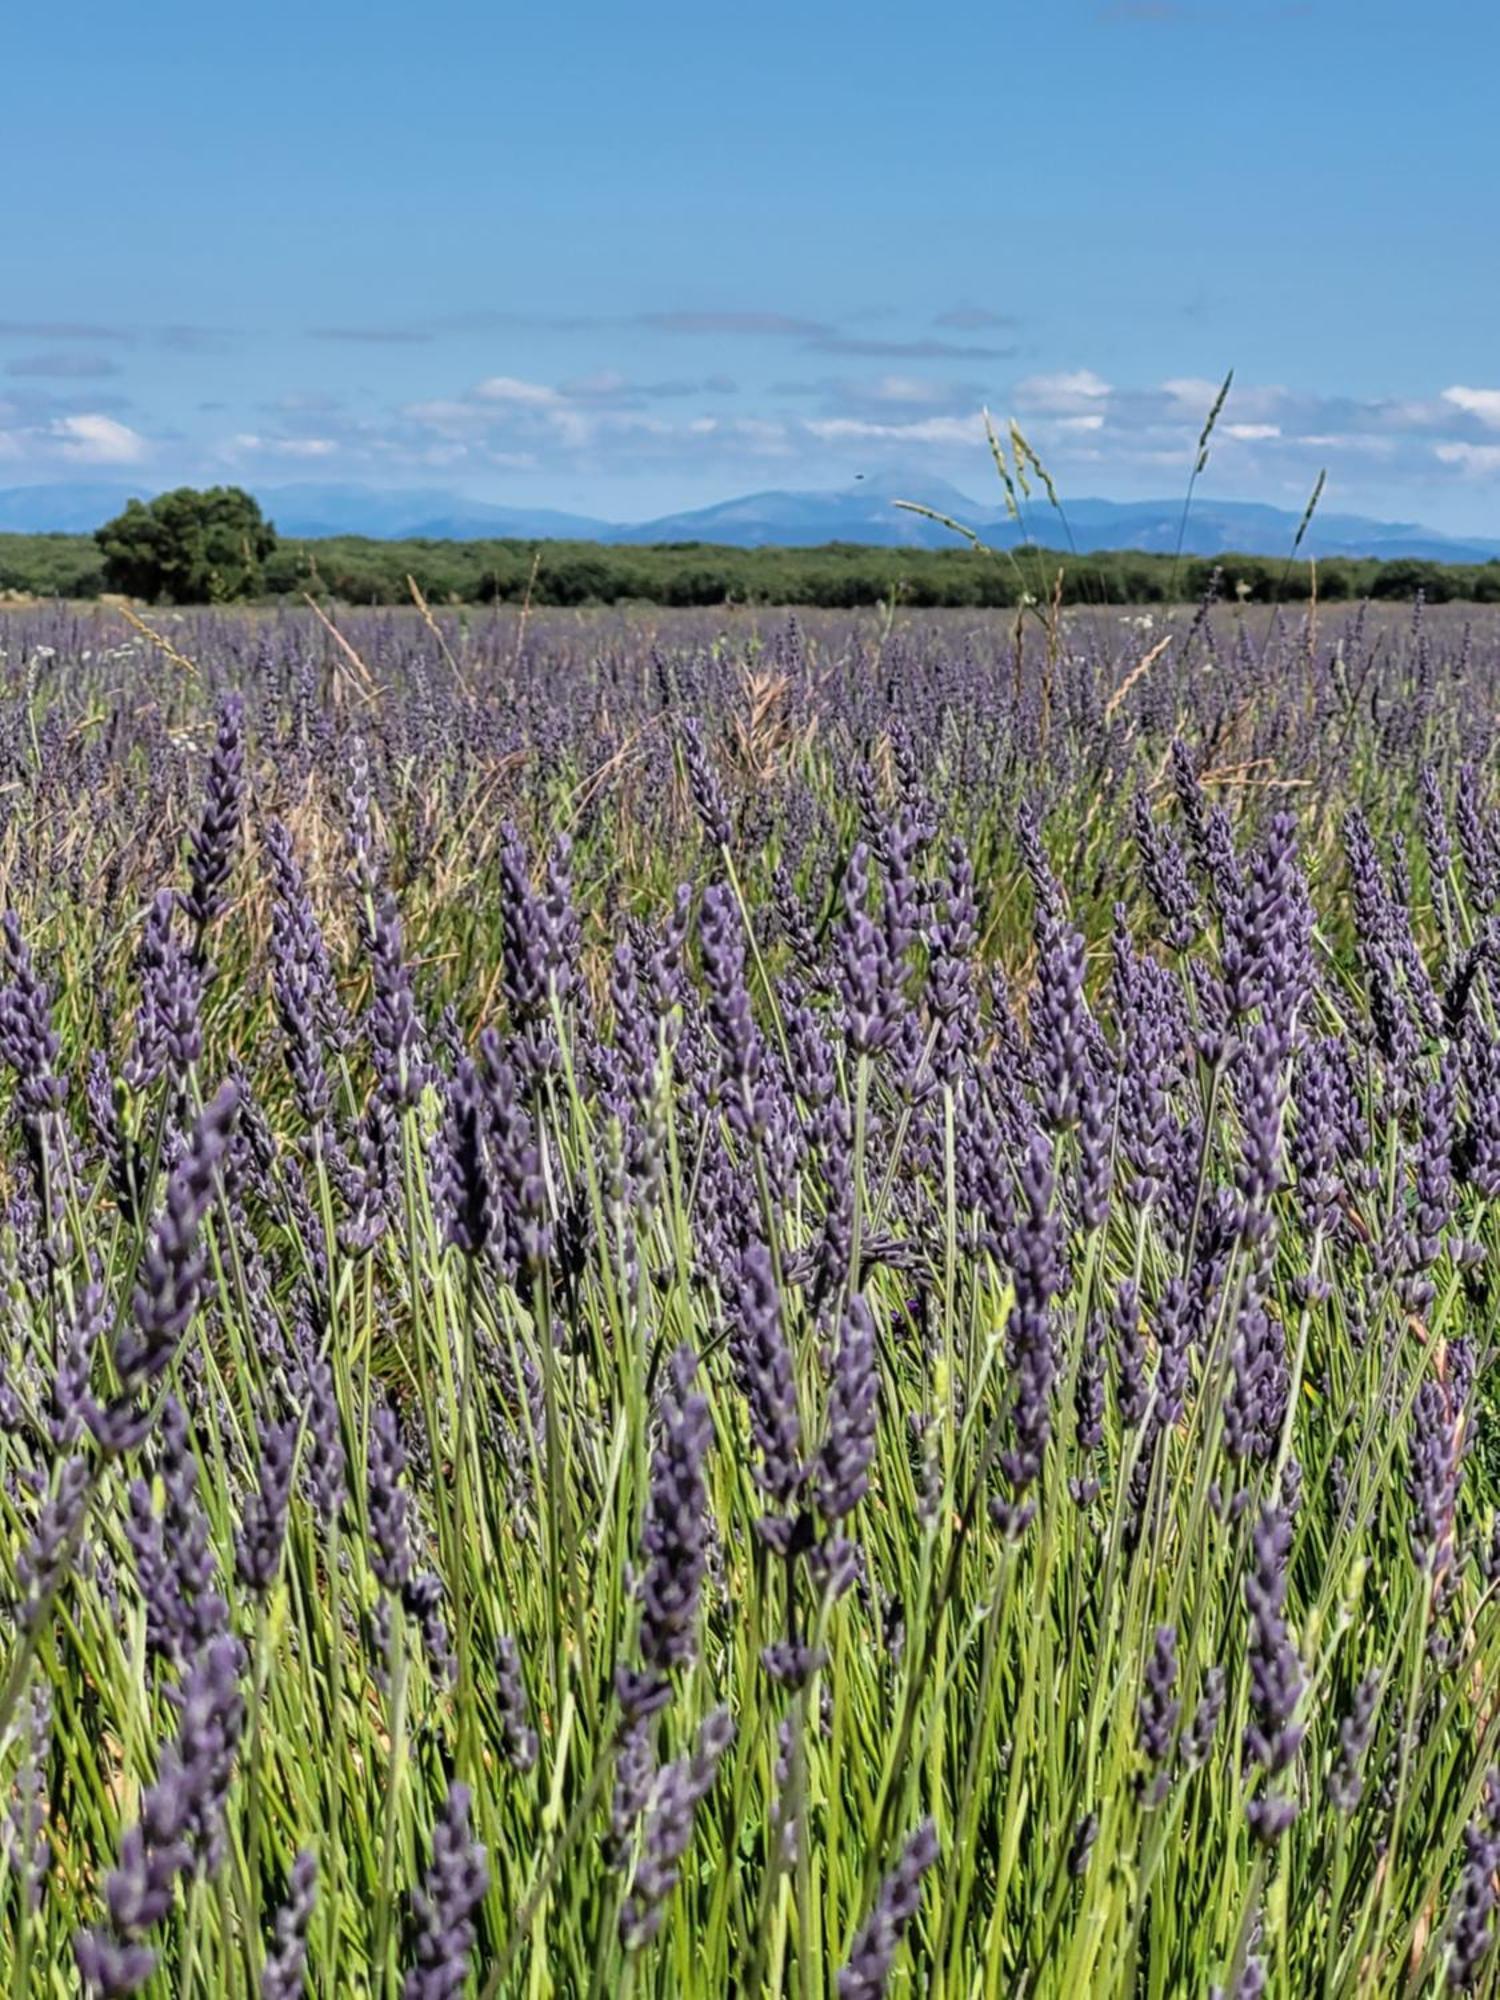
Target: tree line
x,y
191,547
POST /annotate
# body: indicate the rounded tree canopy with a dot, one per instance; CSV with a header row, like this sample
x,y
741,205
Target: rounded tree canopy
x,y
188,546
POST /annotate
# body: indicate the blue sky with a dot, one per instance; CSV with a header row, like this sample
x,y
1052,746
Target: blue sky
x,y
626,260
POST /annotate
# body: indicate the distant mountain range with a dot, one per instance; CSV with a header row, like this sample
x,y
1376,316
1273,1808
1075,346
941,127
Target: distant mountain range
x,y
863,512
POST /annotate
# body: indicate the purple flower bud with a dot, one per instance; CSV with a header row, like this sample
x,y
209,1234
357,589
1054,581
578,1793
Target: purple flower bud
x,y
1346,1781
703,782
180,1826
171,1271
462,1191
722,936
1434,1458
867,984
284,1975
1158,1710
764,1364
1167,880
1036,1244
510,1688
28,1043
176,1572
679,1790
874,1949
1062,1033
25,1842
392,1556
395,1032
258,1544
841,1475
307,1004
212,853
50,1551
521,1188
1198,1737
156,962
1132,1389
673,1539
69,1400
1471,1916
443,1909
1255,1406
1272,1736
1476,841
324,1463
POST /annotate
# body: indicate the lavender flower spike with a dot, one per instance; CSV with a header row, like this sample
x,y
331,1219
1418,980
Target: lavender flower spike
x,y
443,1908
669,1828
213,844
284,1975
869,1966
842,1475
520,1738
172,1268
673,1540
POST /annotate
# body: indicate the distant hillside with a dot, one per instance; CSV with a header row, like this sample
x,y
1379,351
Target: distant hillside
x,y
864,512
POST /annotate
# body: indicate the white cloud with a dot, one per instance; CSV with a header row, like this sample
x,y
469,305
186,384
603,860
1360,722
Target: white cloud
x,y
508,389
1481,403
603,382
313,447
1191,397
1479,459
1060,395
440,411
1091,423
761,435
1193,392
1252,433
94,440
907,389
927,430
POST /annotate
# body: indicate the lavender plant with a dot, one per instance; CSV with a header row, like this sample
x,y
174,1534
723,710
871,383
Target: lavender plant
x,y
834,1335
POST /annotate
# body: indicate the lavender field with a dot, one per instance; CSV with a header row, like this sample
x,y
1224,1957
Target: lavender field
x,y
734,1307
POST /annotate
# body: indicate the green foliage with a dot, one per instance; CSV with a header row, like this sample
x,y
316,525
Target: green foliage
x,y
188,546
51,565
1406,576
214,547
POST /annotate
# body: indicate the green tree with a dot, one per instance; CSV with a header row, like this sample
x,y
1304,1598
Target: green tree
x,y
1404,576
188,546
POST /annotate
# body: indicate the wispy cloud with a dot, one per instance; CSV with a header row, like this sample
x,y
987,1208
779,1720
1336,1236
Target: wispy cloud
x,y
179,336
60,365
374,336
771,325
61,329
907,350
197,339
971,319
817,336
1144,11
608,387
